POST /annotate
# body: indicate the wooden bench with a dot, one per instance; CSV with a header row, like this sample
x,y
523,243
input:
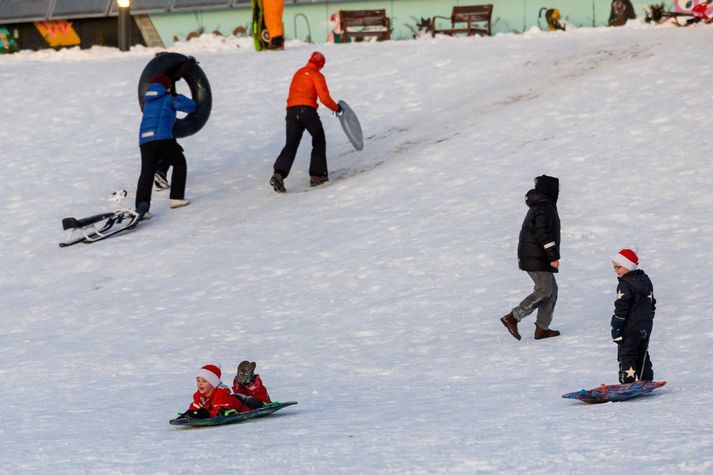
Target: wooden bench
x,y
468,14
372,23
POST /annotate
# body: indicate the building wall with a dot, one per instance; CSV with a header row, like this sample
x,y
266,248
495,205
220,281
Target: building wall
x,y
508,16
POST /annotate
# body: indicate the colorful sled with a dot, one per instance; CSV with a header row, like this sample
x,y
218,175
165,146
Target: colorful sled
x,y
351,126
266,410
261,37
614,393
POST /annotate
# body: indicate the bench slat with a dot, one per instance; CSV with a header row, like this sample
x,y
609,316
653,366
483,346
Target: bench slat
x,y
364,19
467,14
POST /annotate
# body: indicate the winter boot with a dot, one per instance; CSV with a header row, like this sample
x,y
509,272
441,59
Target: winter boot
x,y
540,333
159,179
179,203
245,374
511,324
278,183
276,43
316,180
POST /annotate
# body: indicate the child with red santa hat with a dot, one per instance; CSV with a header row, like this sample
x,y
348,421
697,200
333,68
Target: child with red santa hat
x,y
212,398
633,318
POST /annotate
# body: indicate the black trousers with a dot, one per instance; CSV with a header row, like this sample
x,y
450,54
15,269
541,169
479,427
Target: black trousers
x,y
631,354
298,119
161,153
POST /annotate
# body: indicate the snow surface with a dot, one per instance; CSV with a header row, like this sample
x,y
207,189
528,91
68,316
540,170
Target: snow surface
x,y
373,301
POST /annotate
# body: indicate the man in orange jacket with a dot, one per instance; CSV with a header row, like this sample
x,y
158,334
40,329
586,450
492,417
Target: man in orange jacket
x,y
307,84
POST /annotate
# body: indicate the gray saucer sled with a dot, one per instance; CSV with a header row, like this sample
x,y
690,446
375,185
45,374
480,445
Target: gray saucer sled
x,y
350,124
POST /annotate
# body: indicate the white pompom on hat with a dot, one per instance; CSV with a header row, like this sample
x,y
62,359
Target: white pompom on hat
x,y
628,258
210,373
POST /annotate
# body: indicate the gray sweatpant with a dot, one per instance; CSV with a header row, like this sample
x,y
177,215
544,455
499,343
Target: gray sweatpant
x,y
543,298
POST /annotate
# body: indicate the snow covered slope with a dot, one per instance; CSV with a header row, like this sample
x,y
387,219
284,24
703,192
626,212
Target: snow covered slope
x,y
373,301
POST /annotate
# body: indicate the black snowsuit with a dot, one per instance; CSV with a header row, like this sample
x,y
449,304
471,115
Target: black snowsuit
x,y
634,310
539,241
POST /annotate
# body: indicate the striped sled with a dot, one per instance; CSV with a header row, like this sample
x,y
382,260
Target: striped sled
x,y
266,410
614,393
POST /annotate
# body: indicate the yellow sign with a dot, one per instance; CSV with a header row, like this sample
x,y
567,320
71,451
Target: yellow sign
x,y
58,33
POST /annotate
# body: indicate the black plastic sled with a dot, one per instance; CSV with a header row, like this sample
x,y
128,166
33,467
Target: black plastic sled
x,y
266,410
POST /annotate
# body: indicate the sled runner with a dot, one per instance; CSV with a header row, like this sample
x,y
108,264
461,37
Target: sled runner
x,y
614,393
350,123
266,410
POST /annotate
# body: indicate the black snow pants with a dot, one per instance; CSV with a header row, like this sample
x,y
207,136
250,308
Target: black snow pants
x,y
631,354
298,119
164,152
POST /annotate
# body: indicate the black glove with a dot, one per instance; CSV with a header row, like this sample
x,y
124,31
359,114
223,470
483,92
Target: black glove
x,y
187,66
617,328
201,413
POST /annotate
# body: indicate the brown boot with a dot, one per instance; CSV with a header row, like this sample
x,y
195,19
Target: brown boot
x,y
278,183
511,324
540,333
316,180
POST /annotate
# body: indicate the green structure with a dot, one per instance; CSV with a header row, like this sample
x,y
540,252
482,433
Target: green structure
x,y
312,20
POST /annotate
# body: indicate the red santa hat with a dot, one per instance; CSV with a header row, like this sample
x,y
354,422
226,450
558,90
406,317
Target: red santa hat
x,y
628,258
210,373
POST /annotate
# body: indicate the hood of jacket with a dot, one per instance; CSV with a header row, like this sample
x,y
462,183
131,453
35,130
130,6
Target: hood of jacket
x,y
534,197
154,92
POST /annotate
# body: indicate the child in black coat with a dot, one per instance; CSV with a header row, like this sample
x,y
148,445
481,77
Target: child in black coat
x,y
633,318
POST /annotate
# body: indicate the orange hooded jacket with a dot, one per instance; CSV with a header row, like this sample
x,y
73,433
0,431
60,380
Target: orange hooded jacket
x,y
307,84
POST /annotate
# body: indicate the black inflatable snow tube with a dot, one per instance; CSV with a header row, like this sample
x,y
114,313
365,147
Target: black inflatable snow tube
x,y
168,64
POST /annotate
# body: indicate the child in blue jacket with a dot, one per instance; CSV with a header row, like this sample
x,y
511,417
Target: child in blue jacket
x,y
157,143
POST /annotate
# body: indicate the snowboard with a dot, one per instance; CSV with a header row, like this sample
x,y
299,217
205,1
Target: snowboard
x,y
261,37
266,410
614,393
351,126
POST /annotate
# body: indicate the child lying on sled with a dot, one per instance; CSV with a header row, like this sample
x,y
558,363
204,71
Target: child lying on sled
x,y
248,384
213,398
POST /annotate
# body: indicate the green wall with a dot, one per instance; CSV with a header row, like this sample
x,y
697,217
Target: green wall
x,y
508,16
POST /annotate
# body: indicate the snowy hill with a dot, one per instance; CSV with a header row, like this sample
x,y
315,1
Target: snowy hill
x,y
373,301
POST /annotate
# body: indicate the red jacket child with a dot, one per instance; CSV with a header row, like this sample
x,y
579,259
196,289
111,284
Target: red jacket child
x,y
255,389
210,399
247,383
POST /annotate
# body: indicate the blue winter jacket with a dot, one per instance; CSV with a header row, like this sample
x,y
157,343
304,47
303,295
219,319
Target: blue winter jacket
x,y
160,113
